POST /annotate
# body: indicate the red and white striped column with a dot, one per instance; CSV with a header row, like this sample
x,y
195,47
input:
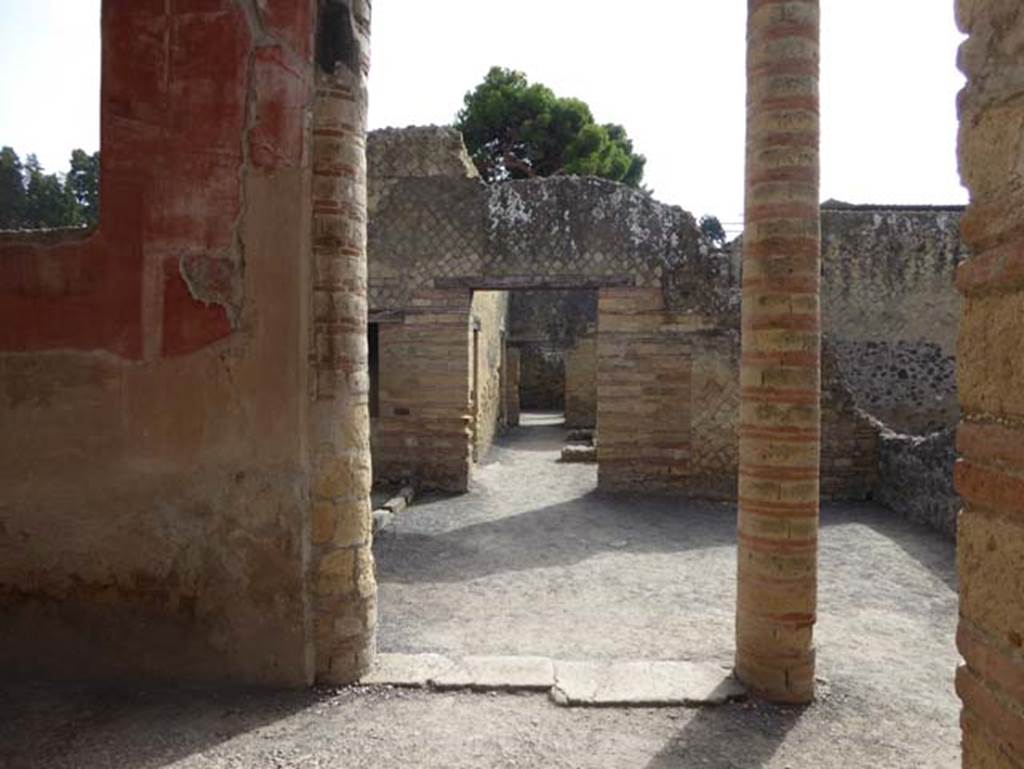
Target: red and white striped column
x,y
780,372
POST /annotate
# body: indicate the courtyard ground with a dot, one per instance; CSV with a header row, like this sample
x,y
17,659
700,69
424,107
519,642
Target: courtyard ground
x,y
535,562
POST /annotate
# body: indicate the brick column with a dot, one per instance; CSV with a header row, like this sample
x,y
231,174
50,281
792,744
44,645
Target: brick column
x,y
990,360
780,375
343,578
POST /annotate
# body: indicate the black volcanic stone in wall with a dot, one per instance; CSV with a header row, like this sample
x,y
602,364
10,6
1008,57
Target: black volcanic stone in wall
x,y
916,478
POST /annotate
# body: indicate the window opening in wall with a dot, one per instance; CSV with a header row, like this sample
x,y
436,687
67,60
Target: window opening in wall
x,y
49,132
373,362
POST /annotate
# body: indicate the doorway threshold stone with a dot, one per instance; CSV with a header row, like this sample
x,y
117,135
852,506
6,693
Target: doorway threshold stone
x,y
640,683
616,683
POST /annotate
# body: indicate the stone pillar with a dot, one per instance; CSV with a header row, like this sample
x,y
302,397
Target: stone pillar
x,y
343,578
780,373
990,360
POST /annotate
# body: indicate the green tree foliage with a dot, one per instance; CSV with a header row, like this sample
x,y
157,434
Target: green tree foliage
x,y
713,229
48,201
32,199
515,129
12,190
84,182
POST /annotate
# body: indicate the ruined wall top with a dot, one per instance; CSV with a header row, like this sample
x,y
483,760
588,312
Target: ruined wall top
x,y
418,151
889,272
890,305
433,224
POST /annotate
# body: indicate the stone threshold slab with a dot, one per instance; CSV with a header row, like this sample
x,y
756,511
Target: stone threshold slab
x,y
620,683
640,683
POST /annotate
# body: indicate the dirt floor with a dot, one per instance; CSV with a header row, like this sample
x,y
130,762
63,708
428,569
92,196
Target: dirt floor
x,y
534,561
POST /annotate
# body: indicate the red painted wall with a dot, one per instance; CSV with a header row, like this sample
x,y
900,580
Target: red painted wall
x,y
196,93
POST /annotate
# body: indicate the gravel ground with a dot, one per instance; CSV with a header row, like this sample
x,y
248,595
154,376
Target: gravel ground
x,y
47,727
534,561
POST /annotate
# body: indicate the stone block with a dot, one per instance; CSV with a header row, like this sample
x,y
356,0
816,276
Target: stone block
x,y
407,670
990,556
643,684
991,355
336,573
382,519
498,674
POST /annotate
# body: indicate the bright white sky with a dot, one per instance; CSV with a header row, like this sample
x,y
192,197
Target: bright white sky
x,y
671,71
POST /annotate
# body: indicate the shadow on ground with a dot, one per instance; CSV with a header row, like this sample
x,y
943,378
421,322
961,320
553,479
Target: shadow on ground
x,y
712,737
53,726
557,535
595,523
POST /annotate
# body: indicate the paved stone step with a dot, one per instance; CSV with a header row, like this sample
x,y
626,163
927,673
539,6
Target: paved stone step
x,y
625,683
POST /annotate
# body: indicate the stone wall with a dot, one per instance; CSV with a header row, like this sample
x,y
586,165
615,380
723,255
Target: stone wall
x,y
990,362
542,377
155,516
436,231
545,325
490,317
889,319
581,384
916,478
668,320
890,308
849,438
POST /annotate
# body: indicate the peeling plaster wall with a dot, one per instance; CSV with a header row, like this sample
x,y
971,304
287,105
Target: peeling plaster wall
x,y
153,461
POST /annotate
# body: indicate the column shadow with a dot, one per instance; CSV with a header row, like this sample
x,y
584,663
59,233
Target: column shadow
x,y
739,736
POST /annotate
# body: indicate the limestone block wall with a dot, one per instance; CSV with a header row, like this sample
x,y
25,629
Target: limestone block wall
x,y
490,318
581,384
990,363
154,474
